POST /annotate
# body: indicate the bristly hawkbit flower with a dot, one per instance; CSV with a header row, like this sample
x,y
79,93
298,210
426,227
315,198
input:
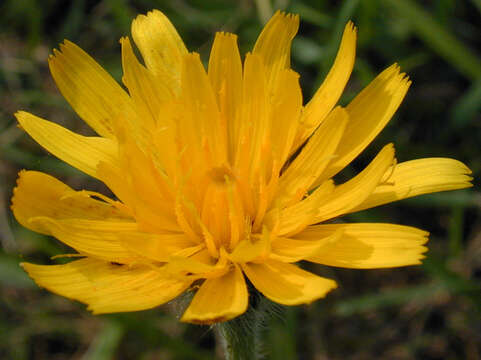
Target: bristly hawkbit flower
x,y
219,176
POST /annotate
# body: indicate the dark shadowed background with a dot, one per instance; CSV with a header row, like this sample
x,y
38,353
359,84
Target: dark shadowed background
x,y
431,311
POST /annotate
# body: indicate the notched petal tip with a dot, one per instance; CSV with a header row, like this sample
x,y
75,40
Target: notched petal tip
x,y
31,270
19,116
18,184
350,26
393,72
464,168
149,15
192,56
284,14
124,39
226,34
155,12
389,151
19,113
63,47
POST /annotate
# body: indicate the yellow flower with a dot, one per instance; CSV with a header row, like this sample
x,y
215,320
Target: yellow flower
x,y
220,175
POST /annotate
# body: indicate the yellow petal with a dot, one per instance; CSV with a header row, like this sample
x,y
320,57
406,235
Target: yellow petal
x,y
165,141
56,200
252,159
286,283
114,178
353,192
160,46
285,114
417,177
201,125
368,246
157,247
254,125
150,216
197,263
292,249
296,217
331,89
274,44
141,187
90,90
313,158
368,113
252,249
97,238
225,75
218,299
107,287
146,91
153,199
82,152
150,221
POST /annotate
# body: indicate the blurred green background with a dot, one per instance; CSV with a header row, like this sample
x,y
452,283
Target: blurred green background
x,y
431,311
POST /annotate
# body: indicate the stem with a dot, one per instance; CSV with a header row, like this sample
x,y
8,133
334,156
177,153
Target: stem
x,y
240,338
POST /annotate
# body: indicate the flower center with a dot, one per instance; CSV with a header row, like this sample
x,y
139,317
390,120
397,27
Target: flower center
x,y
222,209
221,175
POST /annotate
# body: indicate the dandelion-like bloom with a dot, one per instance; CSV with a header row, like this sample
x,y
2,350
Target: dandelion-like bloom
x,y
219,176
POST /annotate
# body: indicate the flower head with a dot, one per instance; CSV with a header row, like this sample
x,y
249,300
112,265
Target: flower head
x,y
218,175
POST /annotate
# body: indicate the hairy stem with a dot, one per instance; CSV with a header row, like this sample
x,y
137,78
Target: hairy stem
x,y
241,338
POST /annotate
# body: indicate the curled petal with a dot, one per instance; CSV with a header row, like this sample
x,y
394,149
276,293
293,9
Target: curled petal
x,y
57,201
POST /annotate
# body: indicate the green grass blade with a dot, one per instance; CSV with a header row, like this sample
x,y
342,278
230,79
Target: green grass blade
x,y
439,39
465,198
311,15
467,107
12,275
385,299
105,344
345,13
454,282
